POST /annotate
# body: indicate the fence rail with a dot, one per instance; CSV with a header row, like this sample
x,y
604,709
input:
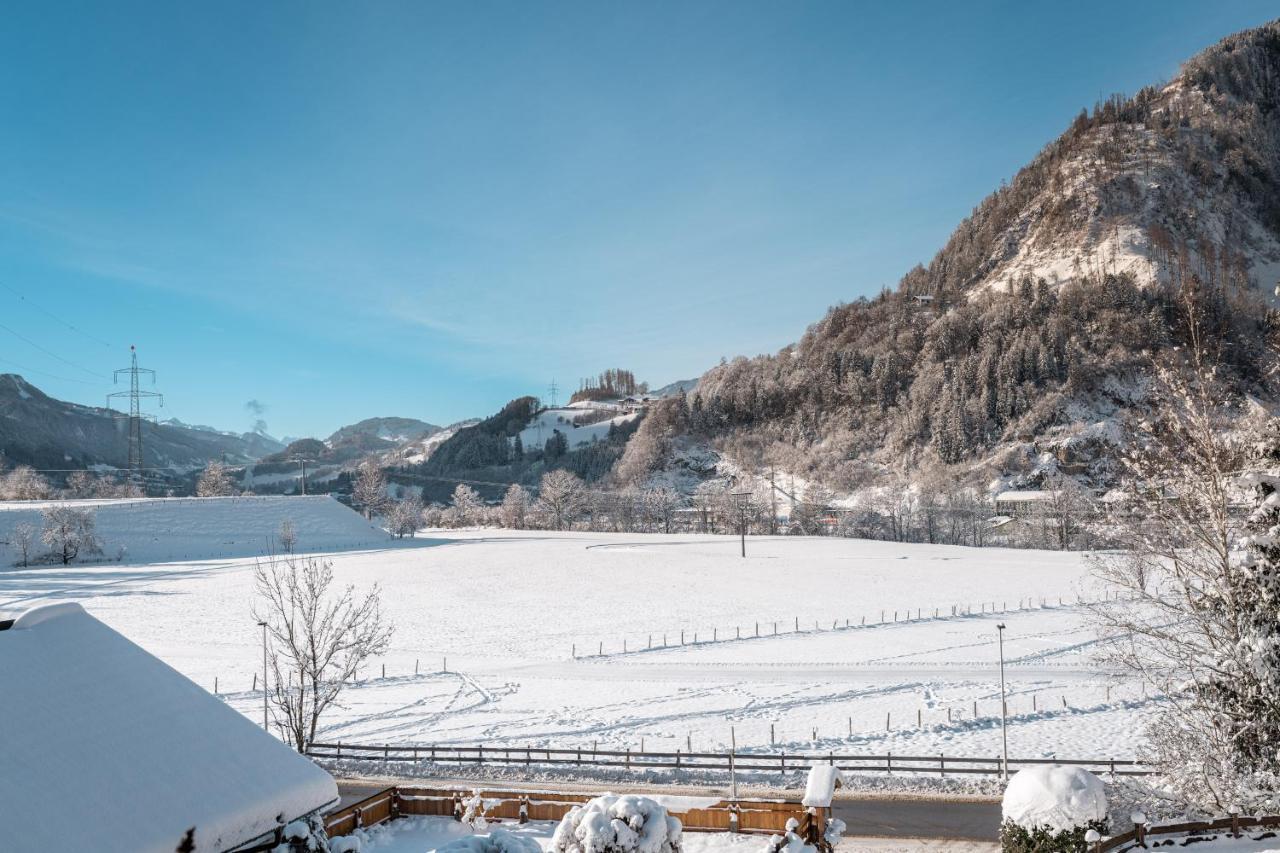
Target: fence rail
x,y
742,762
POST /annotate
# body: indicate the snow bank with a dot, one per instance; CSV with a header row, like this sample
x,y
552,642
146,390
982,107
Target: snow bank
x,y
1060,798
498,841
821,787
612,824
97,728
150,530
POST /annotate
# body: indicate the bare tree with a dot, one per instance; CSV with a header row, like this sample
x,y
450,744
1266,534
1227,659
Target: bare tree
x,y
68,531
370,488
81,484
515,506
288,536
24,483
467,506
216,481
406,516
317,639
21,538
560,498
661,503
1186,598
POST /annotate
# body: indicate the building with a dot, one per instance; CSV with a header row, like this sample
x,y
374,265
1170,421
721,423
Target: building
x,y
105,747
1023,503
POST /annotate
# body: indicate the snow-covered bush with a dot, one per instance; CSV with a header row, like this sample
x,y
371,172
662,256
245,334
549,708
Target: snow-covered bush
x,y
792,841
346,844
1050,808
612,824
498,841
304,836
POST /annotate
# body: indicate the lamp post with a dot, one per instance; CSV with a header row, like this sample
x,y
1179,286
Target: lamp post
x,y
265,725
1004,711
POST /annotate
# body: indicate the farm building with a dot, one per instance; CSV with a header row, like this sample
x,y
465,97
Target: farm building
x,y
107,748
1021,503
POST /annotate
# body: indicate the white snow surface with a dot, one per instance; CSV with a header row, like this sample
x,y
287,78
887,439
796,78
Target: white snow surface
x,y
142,752
821,786
508,610
150,530
1053,796
544,423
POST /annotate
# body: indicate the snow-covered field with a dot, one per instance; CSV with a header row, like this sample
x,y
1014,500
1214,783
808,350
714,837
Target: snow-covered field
x,y
508,609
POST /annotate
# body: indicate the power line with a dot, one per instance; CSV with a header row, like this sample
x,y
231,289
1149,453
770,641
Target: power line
x,y
55,317
135,396
45,374
52,354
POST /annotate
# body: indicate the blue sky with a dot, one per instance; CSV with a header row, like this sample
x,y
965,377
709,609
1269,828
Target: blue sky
x,y
425,209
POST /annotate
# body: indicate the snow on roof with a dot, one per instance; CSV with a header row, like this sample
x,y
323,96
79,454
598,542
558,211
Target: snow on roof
x,y
107,748
1061,798
821,787
1028,495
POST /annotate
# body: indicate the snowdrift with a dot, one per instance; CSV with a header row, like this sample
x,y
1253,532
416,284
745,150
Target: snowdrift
x,y
155,530
1059,798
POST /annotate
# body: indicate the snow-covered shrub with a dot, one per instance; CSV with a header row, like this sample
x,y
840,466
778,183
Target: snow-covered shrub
x,y
306,835
346,844
791,841
612,824
498,841
1050,808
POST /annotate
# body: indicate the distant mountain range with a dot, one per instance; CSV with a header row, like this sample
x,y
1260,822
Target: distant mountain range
x,y
37,430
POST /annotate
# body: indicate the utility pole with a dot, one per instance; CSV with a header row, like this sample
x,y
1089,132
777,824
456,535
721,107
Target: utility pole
x,y
265,725
773,500
1004,711
303,460
135,416
742,518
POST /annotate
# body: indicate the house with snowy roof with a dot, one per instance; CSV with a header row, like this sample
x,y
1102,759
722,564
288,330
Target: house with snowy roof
x,y
105,747
1023,502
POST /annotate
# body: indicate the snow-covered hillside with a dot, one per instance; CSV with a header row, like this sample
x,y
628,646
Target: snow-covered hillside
x,y
547,421
152,530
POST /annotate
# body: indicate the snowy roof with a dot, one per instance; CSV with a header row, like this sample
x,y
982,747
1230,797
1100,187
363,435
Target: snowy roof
x,y
1061,798
1028,495
821,787
107,748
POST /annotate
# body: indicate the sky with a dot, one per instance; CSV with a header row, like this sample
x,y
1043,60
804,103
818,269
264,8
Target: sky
x,y
308,213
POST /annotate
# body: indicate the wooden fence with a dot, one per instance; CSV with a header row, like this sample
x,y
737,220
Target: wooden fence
x,y
1138,836
752,816
743,762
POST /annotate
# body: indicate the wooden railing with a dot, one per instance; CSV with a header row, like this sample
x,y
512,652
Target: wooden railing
x,y
742,762
1138,836
750,816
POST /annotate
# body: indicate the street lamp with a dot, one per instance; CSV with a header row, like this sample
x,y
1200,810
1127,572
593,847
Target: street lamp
x,y
1004,709
265,726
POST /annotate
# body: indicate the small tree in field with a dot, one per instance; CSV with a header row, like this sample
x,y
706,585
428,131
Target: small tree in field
x,y
467,506
560,498
22,537
68,531
405,517
317,639
288,536
370,488
515,507
215,482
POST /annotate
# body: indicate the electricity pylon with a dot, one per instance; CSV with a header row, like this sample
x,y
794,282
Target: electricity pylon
x,y
135,416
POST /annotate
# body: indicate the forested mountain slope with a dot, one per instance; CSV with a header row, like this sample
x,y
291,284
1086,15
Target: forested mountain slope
x,y
1026,344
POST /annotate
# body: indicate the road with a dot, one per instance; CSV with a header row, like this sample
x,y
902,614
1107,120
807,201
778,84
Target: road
x,y
891,818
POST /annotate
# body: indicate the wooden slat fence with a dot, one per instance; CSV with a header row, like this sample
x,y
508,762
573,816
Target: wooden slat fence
x,y
753,816
749,762
1235,825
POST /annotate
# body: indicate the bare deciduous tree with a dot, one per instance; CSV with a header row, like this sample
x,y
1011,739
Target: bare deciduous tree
x,y
515,506
370,488
468,508
560,498
215,481
405,517
68,531
317,639
21,538
288,536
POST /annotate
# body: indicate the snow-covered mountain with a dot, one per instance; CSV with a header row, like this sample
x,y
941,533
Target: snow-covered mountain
x,y
392,429
1024,346
38,430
